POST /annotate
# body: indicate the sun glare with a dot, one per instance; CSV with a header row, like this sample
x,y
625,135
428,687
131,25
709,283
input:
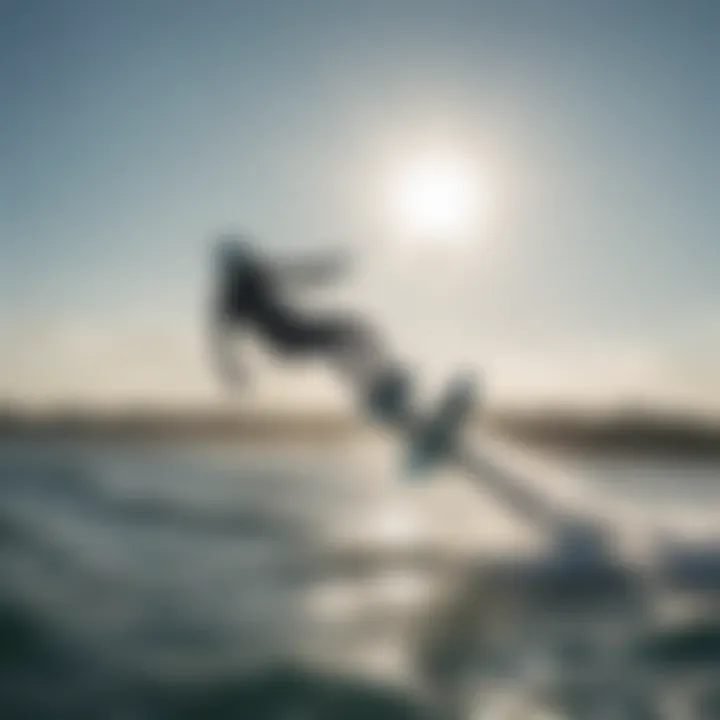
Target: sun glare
x,y
437,200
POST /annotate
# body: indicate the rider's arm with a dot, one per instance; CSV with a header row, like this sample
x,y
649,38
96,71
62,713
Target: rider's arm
x,y
312,270
223,358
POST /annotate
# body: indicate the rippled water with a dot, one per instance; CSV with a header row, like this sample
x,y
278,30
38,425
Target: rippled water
x,y
154,582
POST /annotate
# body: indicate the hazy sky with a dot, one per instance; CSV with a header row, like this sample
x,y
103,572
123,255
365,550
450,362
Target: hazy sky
x,y
132,130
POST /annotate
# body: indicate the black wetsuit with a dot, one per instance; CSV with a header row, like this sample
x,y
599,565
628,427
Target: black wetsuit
x,y
249,295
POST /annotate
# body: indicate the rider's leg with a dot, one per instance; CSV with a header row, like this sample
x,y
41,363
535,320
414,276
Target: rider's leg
x,y
359,354
356,351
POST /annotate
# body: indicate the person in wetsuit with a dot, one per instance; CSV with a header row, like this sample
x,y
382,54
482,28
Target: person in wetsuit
x,y
250,295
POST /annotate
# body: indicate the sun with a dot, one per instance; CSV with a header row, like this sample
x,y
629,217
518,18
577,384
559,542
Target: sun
x,y
437,199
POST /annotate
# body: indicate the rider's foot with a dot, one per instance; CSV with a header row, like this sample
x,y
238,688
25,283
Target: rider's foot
x,y
389,397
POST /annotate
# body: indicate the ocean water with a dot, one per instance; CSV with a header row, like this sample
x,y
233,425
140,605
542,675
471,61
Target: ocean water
x,y
212,581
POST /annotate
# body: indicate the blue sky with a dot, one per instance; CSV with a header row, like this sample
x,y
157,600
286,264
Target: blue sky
x,y
132,130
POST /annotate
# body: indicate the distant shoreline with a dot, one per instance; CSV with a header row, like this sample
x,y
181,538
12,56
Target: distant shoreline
x,y
621,432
